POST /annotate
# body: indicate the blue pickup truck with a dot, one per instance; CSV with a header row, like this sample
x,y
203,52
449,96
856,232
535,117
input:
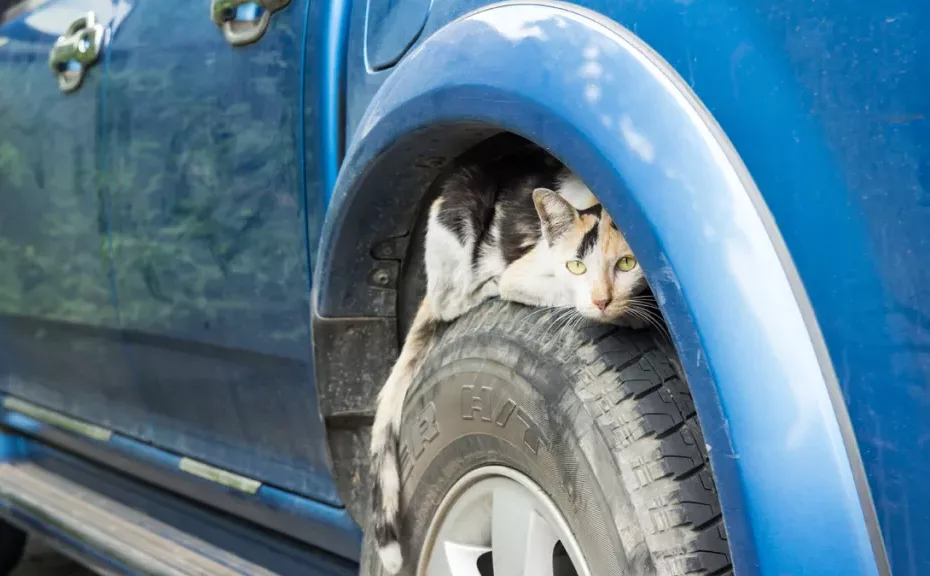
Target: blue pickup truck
x,y
211,239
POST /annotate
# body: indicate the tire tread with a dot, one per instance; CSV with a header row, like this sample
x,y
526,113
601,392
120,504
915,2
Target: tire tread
x,y
642,406
655,429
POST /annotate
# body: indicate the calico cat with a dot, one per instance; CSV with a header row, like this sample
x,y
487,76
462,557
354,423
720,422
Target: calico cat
x,y
523,230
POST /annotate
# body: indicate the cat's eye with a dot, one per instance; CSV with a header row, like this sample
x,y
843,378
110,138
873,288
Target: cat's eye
x,y
576,267
626,264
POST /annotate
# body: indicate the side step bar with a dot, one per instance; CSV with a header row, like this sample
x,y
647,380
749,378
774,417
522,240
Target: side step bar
x,y
120,526
305,523
116,531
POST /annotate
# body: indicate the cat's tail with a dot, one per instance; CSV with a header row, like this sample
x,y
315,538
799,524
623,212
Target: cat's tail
x,y
385,438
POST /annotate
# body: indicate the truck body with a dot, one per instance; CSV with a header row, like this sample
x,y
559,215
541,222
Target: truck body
x,y
207,214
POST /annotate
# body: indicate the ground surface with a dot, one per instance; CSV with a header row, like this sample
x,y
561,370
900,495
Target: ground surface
x,y
40,560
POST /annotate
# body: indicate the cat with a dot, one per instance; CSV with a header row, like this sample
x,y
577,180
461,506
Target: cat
x,y
522,229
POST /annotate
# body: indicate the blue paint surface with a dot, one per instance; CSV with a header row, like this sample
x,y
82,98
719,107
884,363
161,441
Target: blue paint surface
x,y
54,262
12,447
391,28
159,248
209,222
338,532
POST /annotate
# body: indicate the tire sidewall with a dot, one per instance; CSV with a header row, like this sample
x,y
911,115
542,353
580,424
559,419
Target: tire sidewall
x,y
487,399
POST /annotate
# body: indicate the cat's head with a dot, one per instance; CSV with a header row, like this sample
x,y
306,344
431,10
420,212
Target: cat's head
x,y
591,260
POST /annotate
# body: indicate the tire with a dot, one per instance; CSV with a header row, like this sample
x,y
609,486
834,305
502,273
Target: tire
x,y
604,425
12,545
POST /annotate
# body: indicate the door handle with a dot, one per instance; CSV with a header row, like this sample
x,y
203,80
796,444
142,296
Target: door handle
x,y
75,51
244,21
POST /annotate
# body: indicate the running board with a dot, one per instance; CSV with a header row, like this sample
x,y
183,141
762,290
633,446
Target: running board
x,y
316,524
121,527
117,532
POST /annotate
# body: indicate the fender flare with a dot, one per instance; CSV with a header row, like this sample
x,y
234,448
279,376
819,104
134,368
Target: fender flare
x,y
791,483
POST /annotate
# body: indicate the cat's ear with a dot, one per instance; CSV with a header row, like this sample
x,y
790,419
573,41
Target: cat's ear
x,y
555,213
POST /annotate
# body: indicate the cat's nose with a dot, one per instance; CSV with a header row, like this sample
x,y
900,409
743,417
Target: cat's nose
x,y
601,303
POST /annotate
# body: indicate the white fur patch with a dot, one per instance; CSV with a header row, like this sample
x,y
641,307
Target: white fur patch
x,y
449,274
575,192
390,404
391,557
530,281
491,263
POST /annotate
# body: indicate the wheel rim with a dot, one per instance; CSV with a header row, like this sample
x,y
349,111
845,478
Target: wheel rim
x,y
495,521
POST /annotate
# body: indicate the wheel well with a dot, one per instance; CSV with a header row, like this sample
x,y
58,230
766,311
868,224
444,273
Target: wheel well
x,y
383,237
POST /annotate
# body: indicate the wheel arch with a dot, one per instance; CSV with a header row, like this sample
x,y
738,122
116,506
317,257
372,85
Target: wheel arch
x,y
782,449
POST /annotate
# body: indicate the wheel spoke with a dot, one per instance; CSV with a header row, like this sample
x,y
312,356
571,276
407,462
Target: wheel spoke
x,y
495,521
460,560
522,540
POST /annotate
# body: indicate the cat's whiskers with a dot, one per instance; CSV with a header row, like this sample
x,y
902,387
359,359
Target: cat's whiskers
x,y
559,313
526,319
531,315
535,312
568,328
638,315
555,327
646,301
651,318
654,318
563,318
577,322
574,322
643,300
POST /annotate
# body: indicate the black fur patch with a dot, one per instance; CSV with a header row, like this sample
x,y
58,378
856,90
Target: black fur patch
x,y
385,529
520,225
468,198
589,241
385,533
474,196
595,210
